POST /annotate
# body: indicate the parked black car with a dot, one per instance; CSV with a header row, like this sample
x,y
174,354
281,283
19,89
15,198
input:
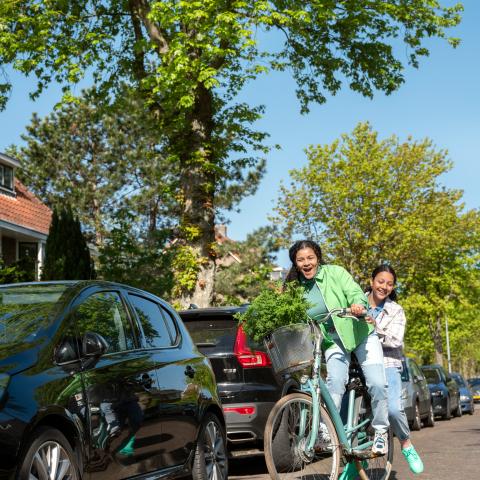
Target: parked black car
x,y
416,396
444,390
466,395
103,381
474,384
247,386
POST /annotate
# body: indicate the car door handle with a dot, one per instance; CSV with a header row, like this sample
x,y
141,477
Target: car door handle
x,y
189,371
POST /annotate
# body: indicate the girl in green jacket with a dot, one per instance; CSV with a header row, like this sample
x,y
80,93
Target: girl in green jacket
x,y
328,287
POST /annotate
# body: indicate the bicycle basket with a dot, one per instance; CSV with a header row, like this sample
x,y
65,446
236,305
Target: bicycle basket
x,y
291,347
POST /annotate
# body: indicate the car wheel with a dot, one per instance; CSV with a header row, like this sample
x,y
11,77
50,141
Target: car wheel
x,y
417,421
210,461
49,455
458,411
430,421
448,413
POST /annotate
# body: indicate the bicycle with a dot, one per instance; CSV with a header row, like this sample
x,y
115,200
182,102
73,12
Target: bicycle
x,y
305,437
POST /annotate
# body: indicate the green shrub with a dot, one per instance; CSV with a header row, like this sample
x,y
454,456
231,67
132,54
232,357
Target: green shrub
x,y
274,308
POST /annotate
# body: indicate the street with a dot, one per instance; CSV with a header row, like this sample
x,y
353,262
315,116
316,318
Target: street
x,y
450,451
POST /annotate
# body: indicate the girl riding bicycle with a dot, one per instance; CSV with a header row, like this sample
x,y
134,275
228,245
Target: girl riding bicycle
x,y
389,320
328,287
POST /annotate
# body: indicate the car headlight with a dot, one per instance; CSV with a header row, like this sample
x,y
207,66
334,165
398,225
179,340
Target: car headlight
x,y
464,398
437,393
4,379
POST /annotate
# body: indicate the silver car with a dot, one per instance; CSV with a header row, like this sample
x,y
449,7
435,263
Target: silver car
x,y
416,396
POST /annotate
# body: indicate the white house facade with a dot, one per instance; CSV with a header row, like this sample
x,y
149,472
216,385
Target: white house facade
x,y
24,219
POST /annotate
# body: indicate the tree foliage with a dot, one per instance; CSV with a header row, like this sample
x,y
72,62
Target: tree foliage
x,y
67,256
370,201
189,59
244,267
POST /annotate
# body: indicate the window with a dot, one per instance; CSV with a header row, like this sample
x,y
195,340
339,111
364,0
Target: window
x,y
104,313
152,321
6,177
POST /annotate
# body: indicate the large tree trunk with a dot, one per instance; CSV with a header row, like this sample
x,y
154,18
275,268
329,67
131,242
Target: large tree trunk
x,y
198,189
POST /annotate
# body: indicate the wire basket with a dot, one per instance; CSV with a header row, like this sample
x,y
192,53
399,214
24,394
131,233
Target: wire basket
x,y
291,347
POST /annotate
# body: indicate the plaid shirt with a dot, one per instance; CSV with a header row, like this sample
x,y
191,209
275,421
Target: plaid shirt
x,y
390,328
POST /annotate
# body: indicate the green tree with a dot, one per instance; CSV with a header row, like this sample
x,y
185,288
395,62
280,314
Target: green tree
x,y
67,256
189,59
370,201
244,267
98,158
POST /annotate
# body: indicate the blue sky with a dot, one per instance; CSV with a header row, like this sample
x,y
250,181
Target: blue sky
x,y
440,100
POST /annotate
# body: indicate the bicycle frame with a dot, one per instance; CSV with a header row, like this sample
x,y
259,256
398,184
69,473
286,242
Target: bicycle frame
x,y
317,389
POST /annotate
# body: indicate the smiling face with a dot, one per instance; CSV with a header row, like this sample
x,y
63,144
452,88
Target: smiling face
x,y
382,286
306,262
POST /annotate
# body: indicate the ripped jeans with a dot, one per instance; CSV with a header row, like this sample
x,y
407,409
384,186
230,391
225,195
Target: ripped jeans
x,y
370,357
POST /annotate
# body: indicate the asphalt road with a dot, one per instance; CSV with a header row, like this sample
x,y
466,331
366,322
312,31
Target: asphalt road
x,y
450,451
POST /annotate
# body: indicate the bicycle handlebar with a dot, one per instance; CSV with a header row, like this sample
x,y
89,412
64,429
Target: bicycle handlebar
x,y
342,312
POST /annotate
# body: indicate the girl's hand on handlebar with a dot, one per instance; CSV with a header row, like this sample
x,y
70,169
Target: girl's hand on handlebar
x,y
357,310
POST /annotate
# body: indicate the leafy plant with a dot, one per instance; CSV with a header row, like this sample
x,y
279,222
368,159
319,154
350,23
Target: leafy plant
x,y
274,308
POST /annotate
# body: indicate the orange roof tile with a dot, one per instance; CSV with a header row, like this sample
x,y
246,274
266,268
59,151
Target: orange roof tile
x,y
25,210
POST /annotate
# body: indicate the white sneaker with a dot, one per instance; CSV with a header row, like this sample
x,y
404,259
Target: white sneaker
x,y
380,443
323,438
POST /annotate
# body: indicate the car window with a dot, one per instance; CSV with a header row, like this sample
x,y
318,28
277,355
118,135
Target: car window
x,y
416,370
153,322
432,376
459,380
404,373
104,313
216,334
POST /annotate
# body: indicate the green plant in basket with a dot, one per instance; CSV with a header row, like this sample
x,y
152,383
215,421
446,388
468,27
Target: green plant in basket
x,y
274,308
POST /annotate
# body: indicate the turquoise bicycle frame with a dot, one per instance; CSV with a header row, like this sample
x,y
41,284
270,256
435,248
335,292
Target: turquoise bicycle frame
x,y
317,389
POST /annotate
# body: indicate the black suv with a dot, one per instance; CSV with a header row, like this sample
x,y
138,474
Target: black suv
x,y
99,380
444,390
247,385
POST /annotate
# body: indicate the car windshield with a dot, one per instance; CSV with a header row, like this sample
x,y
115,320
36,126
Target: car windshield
x,y
432,376
26,309
459,380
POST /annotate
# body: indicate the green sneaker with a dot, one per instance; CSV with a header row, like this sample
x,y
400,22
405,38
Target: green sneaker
x,y
413,459
349,472
128,449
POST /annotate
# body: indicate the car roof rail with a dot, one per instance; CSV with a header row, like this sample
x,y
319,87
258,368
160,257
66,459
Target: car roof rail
x,y
192,306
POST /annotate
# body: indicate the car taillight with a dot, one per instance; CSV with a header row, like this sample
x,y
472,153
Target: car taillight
x,y
245,410
246,357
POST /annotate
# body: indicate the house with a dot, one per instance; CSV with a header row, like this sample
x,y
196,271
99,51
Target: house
x,y
24,219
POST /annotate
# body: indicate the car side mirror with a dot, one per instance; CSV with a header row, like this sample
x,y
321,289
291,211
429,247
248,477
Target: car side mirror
x,y
93,345
65,352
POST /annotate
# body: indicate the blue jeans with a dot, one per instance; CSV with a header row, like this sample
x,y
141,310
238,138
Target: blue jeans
x,y
396,413
370,357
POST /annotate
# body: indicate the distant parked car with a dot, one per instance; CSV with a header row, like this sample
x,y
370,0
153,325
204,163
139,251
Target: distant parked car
x,y
247,385
101,380
474,384
466,395
444,390
416,396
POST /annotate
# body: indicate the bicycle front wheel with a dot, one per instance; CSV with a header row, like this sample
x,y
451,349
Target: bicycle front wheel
x,y
286,433
376,468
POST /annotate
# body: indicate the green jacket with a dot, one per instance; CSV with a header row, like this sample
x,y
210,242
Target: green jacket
x,y
340,290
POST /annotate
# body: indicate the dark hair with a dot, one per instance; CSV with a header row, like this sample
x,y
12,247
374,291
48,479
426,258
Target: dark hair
x,y
387,268
292,274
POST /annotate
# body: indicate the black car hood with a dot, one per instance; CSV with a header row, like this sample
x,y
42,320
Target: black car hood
x,y
17,357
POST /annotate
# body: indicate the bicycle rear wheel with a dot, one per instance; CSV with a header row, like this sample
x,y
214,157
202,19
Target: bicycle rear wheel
x,y
286,433
376,468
